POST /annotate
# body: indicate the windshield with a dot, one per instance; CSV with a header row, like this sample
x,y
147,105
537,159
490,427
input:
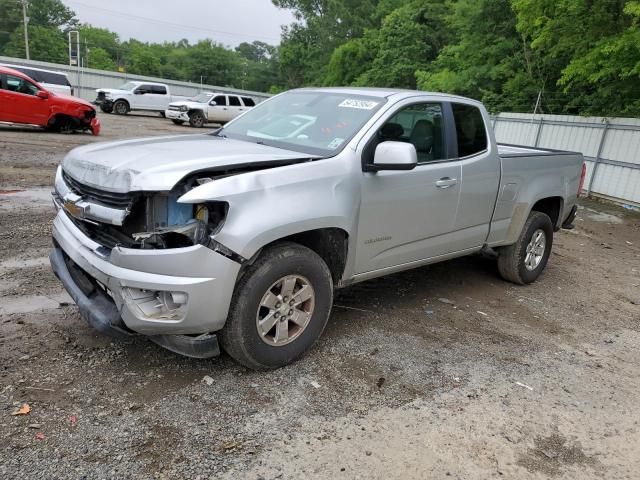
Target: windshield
x,y
127,86
202,97
317,123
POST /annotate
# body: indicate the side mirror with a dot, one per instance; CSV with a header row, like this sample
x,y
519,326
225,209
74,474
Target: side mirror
x,y
139,92
394,156
212,103
42,94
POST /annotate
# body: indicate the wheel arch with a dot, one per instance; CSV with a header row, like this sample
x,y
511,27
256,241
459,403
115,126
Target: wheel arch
x,y
552,207
330,243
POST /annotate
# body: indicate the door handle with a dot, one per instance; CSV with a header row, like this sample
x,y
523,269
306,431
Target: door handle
x,y
446,182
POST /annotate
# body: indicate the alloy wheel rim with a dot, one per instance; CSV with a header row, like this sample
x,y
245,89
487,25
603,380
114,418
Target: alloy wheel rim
x,y
535,250
285,310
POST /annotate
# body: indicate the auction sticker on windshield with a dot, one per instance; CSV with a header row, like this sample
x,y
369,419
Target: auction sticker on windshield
x,y
360,104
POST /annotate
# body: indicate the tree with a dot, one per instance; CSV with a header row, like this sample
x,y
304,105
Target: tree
x,y
45,43
100,59
51,13
10,19
608,74
485,56
408,40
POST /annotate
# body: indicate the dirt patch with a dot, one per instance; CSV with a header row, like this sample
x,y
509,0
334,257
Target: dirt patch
x,y
552,454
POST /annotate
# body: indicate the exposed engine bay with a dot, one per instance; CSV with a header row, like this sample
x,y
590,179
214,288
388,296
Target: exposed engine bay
x,y
145,220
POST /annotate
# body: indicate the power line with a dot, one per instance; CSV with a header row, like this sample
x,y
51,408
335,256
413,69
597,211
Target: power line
x,y
171,24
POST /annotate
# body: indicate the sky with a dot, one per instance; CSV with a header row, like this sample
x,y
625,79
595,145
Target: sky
x,y
229,22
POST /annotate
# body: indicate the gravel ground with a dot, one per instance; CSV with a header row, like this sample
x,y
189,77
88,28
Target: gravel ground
x,y
443,371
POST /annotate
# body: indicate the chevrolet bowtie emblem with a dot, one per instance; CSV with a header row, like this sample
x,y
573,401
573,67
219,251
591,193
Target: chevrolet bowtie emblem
x,y
73,209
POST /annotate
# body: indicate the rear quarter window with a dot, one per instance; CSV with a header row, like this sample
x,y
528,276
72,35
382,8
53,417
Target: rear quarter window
x,y
53,78
248,102
471,134
158,89
33,74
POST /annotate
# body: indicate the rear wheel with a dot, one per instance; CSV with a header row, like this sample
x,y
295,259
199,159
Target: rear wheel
x,y
280,307
121,107
178,122
197,120
524,261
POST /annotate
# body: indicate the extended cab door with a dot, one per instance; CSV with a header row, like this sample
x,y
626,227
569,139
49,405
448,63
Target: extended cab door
x,y
408,216
19,101
480,165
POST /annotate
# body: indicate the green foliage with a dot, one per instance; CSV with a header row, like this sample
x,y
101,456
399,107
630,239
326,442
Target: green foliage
x,y
574,56
100,59
45,43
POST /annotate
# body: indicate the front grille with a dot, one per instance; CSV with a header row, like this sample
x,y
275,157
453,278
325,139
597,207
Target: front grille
x,y
106,235
101,96
174,107
109,199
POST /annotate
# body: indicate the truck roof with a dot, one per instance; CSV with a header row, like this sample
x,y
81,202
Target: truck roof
x,y
141,82
382,92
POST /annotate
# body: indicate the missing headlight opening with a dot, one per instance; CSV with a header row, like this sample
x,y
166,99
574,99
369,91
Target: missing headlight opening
x,y
169,224
153,221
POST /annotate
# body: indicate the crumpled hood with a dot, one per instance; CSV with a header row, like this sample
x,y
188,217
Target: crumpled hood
x,y
112,91
188,104
157,164
77,100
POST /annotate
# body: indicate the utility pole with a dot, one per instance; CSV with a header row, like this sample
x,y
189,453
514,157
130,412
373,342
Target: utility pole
x,y
26,28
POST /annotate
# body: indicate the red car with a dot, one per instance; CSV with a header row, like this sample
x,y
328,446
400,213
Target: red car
x,y
23,100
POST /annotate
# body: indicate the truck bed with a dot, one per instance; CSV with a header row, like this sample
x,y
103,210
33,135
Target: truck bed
x,y
508,151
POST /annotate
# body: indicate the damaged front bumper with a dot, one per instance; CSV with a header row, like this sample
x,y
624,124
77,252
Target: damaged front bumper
x,y
177,297
176,115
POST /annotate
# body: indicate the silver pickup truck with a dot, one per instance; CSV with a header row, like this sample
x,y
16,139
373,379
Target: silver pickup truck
x,y
240,236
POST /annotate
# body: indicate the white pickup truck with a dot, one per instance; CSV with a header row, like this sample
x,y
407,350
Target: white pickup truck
x,y
209,107
242,235
149,96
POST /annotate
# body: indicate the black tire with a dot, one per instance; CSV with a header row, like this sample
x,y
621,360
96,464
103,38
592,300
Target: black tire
x,y
106,108
240,337
511,259
64,125
178,122
197,120
120,107
162,114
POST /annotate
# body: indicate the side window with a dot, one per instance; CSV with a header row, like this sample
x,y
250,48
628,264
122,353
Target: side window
x,y
221,101
18,85
248,102
159,89
234,101
470,130
420,124
32,74
144,89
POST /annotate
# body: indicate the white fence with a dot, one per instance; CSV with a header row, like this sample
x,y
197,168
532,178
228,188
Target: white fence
x,y
611,147
86,80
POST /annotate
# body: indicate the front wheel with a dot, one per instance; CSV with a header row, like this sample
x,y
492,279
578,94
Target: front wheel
x,y
197,120
280,307
524,261
121,107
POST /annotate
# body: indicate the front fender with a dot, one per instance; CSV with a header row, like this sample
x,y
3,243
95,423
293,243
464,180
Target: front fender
x,y
268,205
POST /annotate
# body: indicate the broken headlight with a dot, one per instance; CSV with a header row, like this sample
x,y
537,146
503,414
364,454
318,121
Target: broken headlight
x,y
176,225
